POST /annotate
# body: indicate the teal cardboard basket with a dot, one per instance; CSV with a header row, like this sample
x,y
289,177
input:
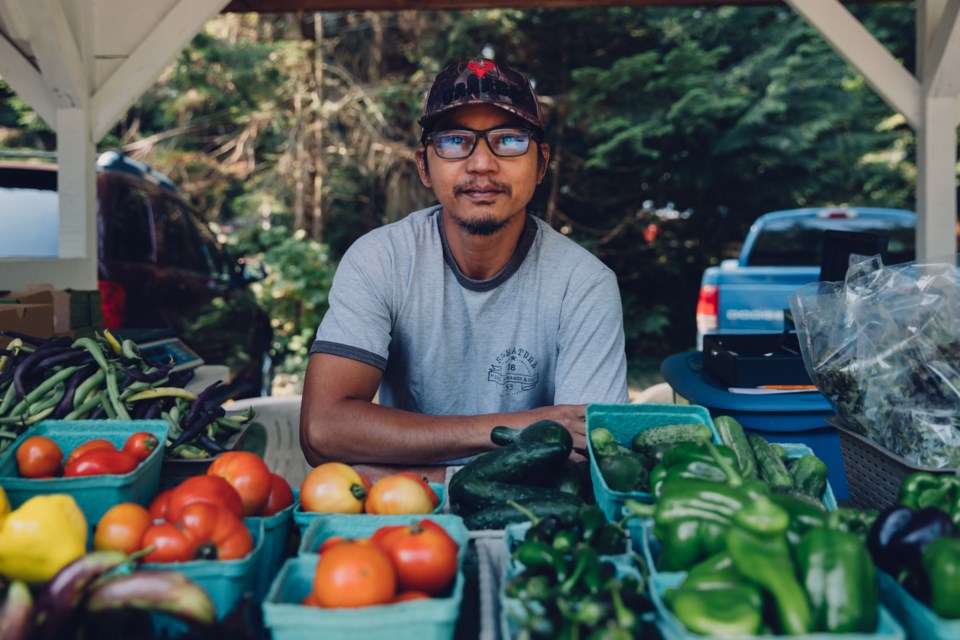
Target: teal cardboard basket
x,y
427,619
672,629
225,581
917,618
303,518
94,494
276,540
625,421
328,525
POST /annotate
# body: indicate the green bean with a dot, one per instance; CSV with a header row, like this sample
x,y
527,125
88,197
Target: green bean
x,y
85,407
43,388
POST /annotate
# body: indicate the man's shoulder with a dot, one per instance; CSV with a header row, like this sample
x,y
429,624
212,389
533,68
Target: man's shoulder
x,y
555,246
412,225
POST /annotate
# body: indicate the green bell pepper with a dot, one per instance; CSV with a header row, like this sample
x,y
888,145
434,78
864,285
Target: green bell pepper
x,y
941,559
734,610
840,579
923,489
757,542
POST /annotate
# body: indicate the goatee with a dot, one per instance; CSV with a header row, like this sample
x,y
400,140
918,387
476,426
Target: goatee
x,y
483,226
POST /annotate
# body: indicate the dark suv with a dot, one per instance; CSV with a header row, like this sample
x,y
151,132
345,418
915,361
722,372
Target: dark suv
x,y
162,271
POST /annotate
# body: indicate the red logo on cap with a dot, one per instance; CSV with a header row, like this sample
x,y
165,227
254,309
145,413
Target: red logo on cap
x,y
480,68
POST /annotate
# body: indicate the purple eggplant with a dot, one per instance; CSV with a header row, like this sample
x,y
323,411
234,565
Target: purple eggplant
x,y
16,613
164,591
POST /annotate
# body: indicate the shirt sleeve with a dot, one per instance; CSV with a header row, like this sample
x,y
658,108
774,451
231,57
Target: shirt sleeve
x,y
592,361
359,321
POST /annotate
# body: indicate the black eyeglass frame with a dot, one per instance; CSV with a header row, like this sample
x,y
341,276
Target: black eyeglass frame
x,y
534,136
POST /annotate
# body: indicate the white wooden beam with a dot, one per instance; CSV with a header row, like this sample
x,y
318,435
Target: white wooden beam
x,y
937,179
13,18
895,84
55,49
76,186
145,64
943,55
27,81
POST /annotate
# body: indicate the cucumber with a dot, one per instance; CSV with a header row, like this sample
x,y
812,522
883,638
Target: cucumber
x,y
624,472
656,438
780,451
732,434
772,469
520,462
500,515
539,431
502,436
476,495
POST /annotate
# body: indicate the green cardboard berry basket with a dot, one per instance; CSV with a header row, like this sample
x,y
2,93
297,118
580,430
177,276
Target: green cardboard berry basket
x,y
918,619
94,494
625,421
303,518
276,540
427,619
672,629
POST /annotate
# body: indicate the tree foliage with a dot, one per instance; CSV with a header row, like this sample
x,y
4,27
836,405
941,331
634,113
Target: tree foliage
x,y
671,130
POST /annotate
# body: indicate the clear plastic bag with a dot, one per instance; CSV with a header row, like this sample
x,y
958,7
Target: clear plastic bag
x,y
884,348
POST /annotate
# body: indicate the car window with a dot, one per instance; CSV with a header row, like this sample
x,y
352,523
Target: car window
x,y
131,233
177,241
213,252
29,214
799,241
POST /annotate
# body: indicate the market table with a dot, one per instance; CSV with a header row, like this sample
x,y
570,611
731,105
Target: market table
x,y
778,417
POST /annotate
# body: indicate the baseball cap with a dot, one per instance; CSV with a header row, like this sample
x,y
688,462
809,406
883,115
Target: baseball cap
x,y
482,81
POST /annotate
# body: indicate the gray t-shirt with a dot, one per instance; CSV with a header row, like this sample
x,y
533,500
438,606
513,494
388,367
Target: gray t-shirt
x,y
546,330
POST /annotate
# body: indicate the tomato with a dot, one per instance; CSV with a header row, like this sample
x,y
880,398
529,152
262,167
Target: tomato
x,y
219,534
333,487
434,498
424,555
158,506
122,527
170,543
39,457
248,474
279,498
309,600
331,542
406,596
98,462
398,494
141,444
354,574
89,445
212,489
383,532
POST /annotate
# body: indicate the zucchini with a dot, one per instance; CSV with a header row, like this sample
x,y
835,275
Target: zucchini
x,y
502,514
477,495
732,434
657,438
809,475
772,469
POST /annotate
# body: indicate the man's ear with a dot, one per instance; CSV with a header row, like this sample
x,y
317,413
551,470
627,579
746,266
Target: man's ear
x,y
420,155
542,161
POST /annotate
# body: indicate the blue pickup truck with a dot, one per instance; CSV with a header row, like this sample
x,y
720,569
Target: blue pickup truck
x,y
781,253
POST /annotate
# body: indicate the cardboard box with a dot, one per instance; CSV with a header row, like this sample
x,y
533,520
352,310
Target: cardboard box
x,y
73,312
32,319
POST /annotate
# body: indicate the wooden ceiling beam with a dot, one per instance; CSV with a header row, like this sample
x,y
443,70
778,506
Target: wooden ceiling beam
x,y
282,6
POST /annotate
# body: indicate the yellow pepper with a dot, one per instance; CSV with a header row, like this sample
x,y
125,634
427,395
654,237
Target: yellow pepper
x,y
4,505
42,536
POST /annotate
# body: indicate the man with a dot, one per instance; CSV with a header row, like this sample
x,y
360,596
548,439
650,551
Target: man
x,y
468,314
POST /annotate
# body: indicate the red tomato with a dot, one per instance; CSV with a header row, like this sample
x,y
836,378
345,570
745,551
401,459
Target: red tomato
x,y
425,557
434,498
279,498
158,506
216,531
381,533
248,474
333,487
170,543
141,444
354,574
398,494
89,445
98,462
39,457
122,527
212,489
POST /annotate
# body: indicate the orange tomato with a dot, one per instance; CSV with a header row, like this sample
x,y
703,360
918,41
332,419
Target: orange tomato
x,y
424,555
406,596
89,445
398,494
248,474
331,542
354,574
122,527
333,487
39,457
434,498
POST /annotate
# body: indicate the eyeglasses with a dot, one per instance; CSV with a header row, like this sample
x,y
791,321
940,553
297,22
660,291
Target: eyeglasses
x,y
457,144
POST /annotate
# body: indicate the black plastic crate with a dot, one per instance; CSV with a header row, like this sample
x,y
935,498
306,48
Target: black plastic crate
x,y
753,360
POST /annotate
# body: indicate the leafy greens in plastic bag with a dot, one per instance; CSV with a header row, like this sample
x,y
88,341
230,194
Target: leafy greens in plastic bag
x,y
884,348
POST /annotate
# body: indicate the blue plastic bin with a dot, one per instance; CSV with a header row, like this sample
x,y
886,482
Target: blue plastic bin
x,y
917,618
94,494
781,417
